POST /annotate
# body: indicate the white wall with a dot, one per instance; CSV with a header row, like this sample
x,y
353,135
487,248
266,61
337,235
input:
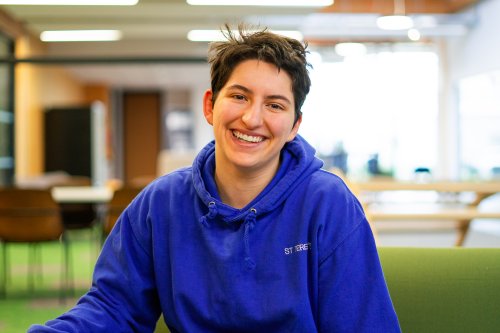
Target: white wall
x,y
479,50
203,132
475,53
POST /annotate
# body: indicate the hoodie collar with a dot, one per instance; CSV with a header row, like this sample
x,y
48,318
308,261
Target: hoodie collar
x,y
297,163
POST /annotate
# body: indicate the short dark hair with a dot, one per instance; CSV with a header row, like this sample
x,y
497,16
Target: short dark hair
x,y
285,53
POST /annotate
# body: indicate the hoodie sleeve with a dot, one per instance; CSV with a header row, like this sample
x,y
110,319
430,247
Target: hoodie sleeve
x,y
123,295
353,296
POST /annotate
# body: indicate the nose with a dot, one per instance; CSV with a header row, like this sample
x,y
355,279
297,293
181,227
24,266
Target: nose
x,y
252,116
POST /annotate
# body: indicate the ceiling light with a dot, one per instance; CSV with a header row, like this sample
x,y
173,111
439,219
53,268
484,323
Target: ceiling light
x,y
398,21
217,35
394,22
287,3
71,2
80,35
350,49
414,34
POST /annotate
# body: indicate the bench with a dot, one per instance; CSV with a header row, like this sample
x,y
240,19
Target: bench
x,y
463,215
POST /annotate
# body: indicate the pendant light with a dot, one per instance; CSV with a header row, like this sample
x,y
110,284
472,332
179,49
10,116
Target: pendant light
x,y
398,21
286,3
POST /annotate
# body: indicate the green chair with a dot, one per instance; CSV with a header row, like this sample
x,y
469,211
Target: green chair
x,y
161,327
440,290
444,289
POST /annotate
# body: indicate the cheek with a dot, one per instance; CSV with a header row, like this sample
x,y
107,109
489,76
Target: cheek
x,y
228,112
292,130
284,128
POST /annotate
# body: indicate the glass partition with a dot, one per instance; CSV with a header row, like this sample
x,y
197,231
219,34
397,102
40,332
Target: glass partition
x,y
479,126
379,109
6,114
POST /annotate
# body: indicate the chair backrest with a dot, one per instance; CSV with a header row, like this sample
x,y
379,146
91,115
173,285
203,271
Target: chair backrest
x,y
29,215
444,289
170,160
78,215
121,199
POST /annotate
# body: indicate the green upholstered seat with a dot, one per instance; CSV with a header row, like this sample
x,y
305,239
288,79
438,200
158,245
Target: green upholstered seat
x,y
444,289
440,290
161,327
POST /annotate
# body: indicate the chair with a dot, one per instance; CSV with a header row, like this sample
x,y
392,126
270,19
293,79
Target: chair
x,y
121,199
170,160
444,289
77,216
30,216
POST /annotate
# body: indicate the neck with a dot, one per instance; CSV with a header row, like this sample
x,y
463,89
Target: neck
x,y
238,188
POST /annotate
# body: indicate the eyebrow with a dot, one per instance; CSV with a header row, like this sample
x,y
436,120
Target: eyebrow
x,y
245,89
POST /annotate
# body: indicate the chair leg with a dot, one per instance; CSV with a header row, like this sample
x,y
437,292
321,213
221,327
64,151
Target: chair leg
x,y
39,263
97,236
8,276
31,268
3,290
34,265
63,284
68,268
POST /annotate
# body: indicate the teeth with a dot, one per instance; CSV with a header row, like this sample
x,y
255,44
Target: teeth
x,y
248,138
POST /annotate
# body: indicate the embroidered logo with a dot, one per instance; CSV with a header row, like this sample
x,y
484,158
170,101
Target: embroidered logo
x,y
298,248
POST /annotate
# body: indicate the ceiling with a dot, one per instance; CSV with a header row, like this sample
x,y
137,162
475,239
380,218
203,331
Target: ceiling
x,y
158,28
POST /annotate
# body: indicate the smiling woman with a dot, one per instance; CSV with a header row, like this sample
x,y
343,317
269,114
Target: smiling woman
x,y
265,223
252,117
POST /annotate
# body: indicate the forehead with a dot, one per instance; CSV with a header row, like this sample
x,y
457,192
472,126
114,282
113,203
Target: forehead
x,y
261,74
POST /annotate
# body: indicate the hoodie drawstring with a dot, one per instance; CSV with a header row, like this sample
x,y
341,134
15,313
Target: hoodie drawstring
x,y
249,224
212,213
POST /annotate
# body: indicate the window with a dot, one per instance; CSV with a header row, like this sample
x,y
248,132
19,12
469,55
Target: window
x,y
479,121
6,114
383,104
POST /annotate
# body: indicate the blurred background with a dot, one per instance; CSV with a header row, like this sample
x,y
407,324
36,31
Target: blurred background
x,y
384,100
404,104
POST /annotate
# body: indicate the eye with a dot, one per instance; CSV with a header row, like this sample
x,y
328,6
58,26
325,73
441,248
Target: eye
x,y
276,106
239,97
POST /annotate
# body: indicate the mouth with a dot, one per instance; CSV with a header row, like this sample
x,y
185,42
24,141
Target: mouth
x,y
247,138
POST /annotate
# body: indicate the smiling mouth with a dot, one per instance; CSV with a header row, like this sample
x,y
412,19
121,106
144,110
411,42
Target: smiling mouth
x,y
247,138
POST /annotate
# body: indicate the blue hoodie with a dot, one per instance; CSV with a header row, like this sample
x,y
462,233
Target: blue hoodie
x,y
299,258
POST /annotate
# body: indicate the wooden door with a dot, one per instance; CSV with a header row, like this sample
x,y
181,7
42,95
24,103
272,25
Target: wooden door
x,y
141,121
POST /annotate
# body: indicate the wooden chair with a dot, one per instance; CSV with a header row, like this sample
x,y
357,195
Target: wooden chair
x,y
30,216
121,199
78,219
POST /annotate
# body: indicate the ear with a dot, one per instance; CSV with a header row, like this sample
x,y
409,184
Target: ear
x,y
295,129
208,109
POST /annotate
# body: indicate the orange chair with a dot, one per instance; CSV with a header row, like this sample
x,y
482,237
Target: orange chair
x,y
30,216
121,199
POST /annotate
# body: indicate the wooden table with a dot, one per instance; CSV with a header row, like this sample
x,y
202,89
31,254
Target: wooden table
x,y
82,194
464,213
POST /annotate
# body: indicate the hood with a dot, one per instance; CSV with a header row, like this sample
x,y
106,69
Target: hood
x,y
298,161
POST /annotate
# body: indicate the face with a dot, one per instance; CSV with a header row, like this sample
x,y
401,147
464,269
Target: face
x,y
252,117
